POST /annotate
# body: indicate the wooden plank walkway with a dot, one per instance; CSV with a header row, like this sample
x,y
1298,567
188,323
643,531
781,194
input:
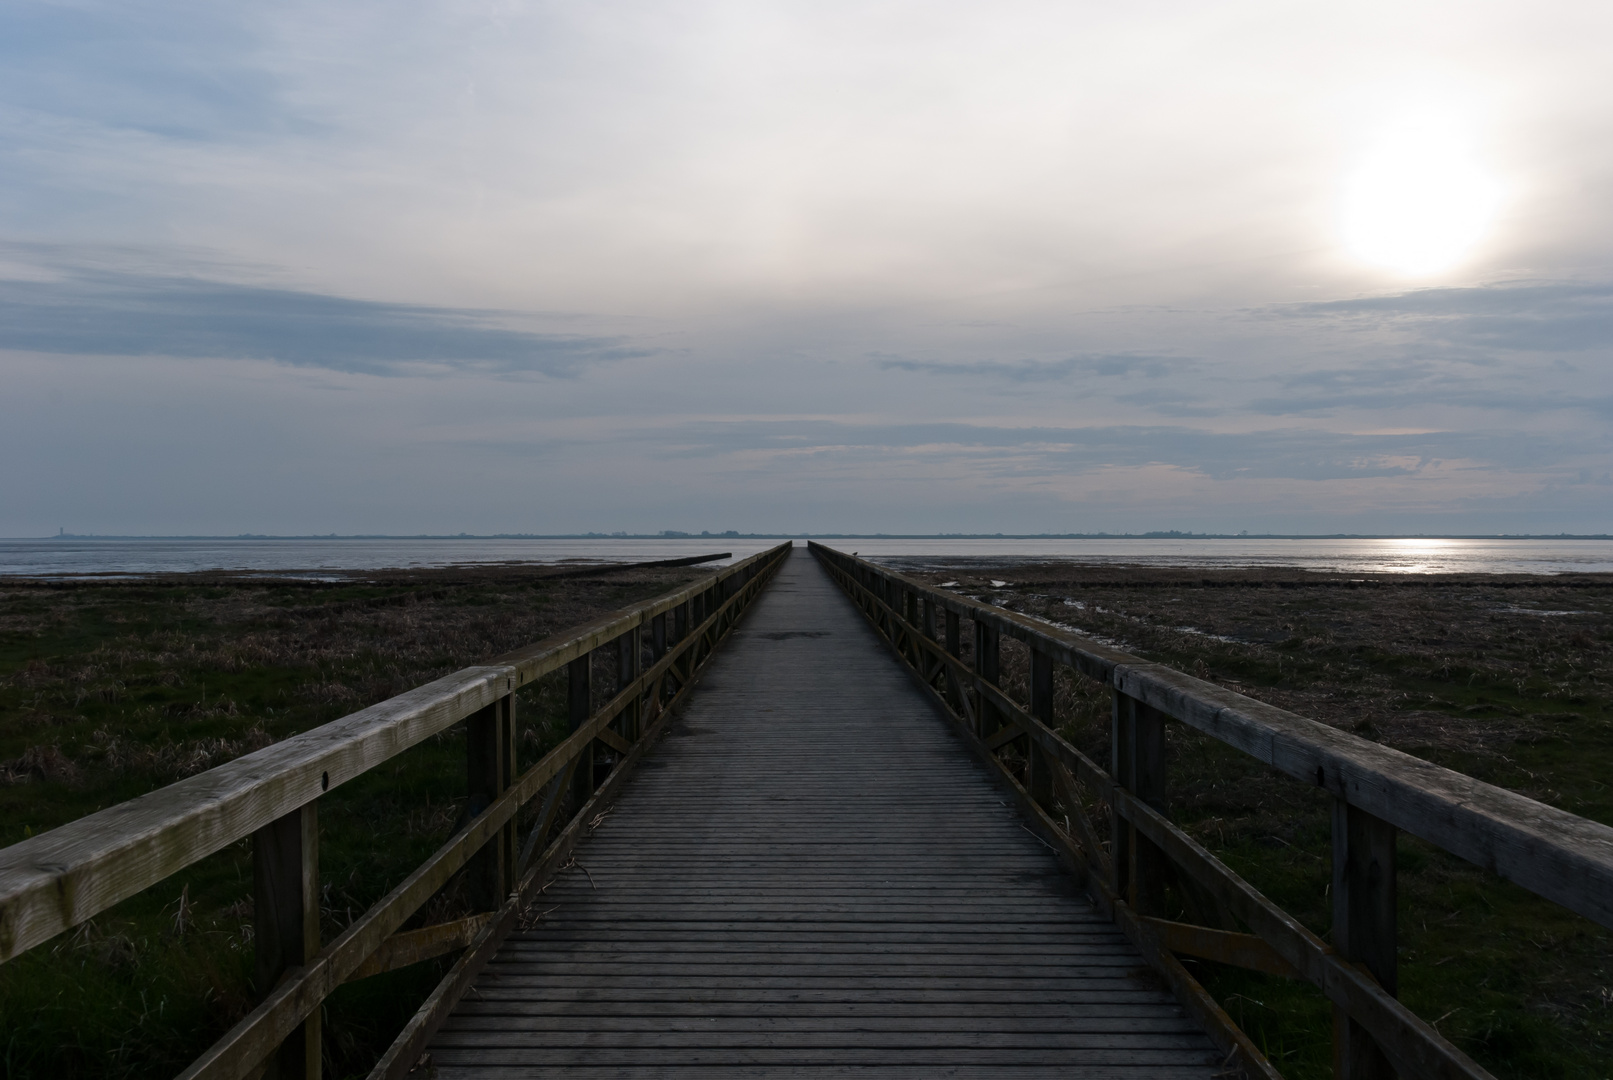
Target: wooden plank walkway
x,y
809,877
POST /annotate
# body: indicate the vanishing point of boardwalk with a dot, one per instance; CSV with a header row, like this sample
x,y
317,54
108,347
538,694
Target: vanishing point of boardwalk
x,y
811,876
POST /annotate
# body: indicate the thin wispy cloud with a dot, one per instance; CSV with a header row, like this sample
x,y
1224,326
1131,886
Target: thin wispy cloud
x,y
1512,316
123,314
1030,371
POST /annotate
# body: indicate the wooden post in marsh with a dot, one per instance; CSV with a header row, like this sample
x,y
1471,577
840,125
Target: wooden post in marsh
x,y
285,925
1364,899
490,769
1138,765
987,667
1039,776
579,706
628,660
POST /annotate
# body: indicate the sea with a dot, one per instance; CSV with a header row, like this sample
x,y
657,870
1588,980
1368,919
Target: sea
x,y
338,556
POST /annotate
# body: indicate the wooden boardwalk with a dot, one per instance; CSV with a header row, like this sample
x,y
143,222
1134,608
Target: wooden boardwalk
x,y
812,876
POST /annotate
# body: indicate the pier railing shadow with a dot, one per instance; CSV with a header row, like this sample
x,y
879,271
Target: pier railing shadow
x,y
1376,792
61,878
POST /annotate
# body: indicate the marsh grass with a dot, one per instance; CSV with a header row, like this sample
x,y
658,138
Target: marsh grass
x,y
111,691
1507,679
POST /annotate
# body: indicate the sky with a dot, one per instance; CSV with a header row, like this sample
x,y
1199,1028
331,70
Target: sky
x,y
819,266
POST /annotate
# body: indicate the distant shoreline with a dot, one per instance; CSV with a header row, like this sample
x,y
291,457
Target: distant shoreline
x,y
1170,535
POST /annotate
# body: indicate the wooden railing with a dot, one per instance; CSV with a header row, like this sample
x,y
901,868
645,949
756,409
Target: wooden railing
x,y
1376,791
60,878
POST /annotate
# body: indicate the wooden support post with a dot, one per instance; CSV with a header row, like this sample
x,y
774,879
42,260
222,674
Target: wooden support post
x,y
1138,763
580,706
927,665
988,668
285,925
1040,780
658,639
490,769
954,645
1364,901
628,661
680,629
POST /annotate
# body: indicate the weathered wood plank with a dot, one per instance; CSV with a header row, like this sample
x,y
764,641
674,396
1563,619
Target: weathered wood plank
x,y
767,867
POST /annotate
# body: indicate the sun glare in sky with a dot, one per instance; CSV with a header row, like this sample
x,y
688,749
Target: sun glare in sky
x,y
1420,200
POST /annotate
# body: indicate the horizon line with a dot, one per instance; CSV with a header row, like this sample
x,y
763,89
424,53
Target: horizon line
x,y
673,534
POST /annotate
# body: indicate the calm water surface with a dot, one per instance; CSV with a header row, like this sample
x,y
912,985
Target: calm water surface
x,y
1401,556
71,556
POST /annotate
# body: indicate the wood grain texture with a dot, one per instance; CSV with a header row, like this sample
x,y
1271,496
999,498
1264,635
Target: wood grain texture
x,y
811,876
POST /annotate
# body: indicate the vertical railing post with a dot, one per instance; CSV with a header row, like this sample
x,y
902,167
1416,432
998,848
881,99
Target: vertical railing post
x,y
954,649
988,669
1138,765
658,644
628,659
490,768
285,924
680,630
1040,778
1364,901
579,706
927,665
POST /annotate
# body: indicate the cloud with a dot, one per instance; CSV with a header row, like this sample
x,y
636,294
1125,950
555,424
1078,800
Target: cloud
x,y
1108,365
1294,454
114,313
1509,316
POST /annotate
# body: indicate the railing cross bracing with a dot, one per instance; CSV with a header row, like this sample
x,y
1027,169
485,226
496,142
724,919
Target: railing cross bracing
x,y
1376,791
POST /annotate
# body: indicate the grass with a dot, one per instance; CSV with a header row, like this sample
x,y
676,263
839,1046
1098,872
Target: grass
x,y
111,690
108,691
1507,679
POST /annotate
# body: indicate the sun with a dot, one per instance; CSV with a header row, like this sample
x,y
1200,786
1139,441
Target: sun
x,y
1420,200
